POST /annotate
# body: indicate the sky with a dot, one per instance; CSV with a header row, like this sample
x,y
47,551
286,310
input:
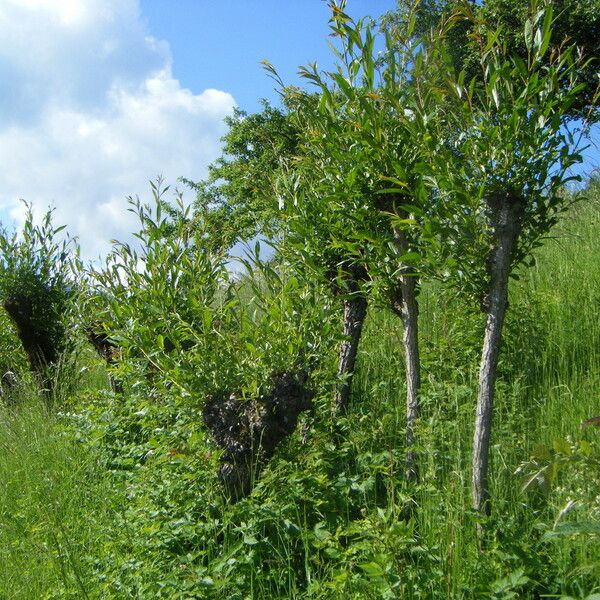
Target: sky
x,y
100,96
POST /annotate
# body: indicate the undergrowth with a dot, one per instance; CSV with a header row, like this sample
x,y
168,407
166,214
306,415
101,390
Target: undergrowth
x,y
116,495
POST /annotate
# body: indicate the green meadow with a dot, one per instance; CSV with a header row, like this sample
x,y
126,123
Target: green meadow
x,y
115,495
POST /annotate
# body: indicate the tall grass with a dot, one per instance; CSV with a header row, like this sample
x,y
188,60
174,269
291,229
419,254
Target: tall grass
x,y
54,503
550,384
325,520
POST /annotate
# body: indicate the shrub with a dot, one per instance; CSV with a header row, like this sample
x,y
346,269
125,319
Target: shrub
x,y
37,288
193,333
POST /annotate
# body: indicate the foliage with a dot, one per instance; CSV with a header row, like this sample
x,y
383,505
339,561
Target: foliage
x,y
155,296
509,139
183,320
117,496
236,201
575,23
12,357
56,504
355,138
37,285
151,520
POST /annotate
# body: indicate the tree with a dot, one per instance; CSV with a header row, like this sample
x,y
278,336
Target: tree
x,y
322,218
575,23
366,137
510,150
240,349
236,200
37,287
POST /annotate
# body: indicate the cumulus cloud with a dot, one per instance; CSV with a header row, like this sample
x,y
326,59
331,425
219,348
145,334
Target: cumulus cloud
x,y
91,111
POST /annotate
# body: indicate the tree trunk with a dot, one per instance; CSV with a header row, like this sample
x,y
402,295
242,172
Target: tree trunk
x,y
355,312
36,339
249,430
506,215
406,306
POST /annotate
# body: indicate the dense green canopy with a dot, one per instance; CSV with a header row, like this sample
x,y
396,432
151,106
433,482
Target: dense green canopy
x,y
576,22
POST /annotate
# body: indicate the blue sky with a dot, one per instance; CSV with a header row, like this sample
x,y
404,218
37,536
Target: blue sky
x,y
100,96
220,44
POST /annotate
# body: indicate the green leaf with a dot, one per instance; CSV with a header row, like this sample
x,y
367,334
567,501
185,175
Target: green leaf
x,y
250,540
568,529
410,257
528,33
372,569
562,446
321,532
160,341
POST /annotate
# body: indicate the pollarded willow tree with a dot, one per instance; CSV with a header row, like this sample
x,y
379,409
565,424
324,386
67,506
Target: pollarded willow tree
x,y
328,191
240,198
239,201
38,285
367,136
318,241
510,151
239,351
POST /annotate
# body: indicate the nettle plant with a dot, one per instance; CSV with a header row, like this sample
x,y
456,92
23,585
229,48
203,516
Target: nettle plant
x,y
37,288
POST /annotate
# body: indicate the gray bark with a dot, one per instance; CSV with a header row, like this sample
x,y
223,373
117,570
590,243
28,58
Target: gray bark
x,y
506,213
355,312
406,306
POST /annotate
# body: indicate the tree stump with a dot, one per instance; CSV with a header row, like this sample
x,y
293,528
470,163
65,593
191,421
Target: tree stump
x,y
249,430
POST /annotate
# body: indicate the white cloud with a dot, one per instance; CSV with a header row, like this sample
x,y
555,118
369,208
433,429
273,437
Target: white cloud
x,y
90,111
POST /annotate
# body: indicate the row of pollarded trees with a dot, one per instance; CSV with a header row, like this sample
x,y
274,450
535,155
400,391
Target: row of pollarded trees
x,y
410,162
406,163
427,172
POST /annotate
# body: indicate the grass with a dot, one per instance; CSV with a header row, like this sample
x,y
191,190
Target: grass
x,y
120,499
54,504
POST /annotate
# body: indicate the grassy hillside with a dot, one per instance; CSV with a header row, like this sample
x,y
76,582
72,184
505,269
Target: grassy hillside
x,y
117,497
